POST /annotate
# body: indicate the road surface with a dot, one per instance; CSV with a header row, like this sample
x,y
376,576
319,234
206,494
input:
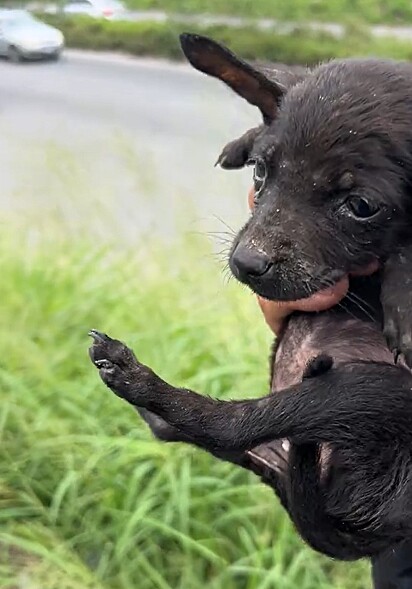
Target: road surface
x,y
118,147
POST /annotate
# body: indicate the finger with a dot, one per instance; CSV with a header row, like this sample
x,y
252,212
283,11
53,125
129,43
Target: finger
x,y
274,313
251,198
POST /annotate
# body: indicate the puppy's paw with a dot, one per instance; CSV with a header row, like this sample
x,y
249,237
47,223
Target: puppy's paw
x,y
236,153
273,455
233,156
398,332
118,366
396,299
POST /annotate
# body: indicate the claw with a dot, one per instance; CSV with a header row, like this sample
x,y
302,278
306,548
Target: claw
x,y
98,336
396,354
408,359
220,160
104,364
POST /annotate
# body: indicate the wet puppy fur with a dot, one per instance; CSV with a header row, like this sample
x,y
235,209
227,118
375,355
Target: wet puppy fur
x,y
333,165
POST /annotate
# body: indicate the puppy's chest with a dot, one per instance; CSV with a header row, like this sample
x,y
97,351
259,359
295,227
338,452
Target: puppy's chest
x,y
344,338
306,336
300,343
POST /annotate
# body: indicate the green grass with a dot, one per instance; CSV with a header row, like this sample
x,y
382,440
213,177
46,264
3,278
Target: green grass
x,y
368,11
396,12
87,498
302,46
340,11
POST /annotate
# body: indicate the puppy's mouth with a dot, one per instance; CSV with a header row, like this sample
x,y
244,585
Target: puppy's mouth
x,y
332,295
311,295
315,294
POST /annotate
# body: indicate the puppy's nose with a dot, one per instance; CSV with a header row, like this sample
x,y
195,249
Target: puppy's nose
x,y
246,262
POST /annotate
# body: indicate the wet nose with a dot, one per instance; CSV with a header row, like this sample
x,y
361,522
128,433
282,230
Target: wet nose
x,y
247,262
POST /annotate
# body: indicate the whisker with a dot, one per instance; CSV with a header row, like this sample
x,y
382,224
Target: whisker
x,y
224,251
227,275
222,261
360,306
223,241
223,236
356,300
232,231
224,233
346,309
362,301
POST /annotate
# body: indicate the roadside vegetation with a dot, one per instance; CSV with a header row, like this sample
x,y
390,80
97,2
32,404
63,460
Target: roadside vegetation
x,y
88,500
301,46
367,11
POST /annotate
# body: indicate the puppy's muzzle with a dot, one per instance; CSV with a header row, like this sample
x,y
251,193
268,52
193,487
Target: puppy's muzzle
x,y
247,263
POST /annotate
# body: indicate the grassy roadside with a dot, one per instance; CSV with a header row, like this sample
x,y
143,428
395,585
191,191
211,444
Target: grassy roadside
x,y
87,499
161,40
370,11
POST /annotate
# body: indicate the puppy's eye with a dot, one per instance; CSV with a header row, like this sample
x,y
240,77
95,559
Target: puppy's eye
x,y
361,208
259,174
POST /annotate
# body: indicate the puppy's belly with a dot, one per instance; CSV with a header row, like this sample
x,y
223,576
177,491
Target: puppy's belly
x,y
342,337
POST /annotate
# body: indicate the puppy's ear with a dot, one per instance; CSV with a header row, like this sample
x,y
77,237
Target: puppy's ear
x,y
250,83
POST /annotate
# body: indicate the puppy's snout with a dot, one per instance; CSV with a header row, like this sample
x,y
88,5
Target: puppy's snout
x,y
246,262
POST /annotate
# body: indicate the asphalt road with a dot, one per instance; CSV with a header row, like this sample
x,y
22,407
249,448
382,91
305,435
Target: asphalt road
x,y
118,147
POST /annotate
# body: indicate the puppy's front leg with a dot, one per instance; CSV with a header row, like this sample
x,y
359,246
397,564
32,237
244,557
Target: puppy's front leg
x,y
184,415
122,373
354,402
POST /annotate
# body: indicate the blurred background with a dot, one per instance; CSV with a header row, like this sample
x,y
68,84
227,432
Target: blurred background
x,y
114,217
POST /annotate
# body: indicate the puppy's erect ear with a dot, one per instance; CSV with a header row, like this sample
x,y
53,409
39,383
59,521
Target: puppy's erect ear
x,y
252,84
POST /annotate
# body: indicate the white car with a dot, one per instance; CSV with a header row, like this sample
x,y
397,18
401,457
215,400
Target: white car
x,y
111,9
22,36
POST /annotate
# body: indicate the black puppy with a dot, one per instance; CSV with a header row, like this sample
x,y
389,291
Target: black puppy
x,y
336,142
332,170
